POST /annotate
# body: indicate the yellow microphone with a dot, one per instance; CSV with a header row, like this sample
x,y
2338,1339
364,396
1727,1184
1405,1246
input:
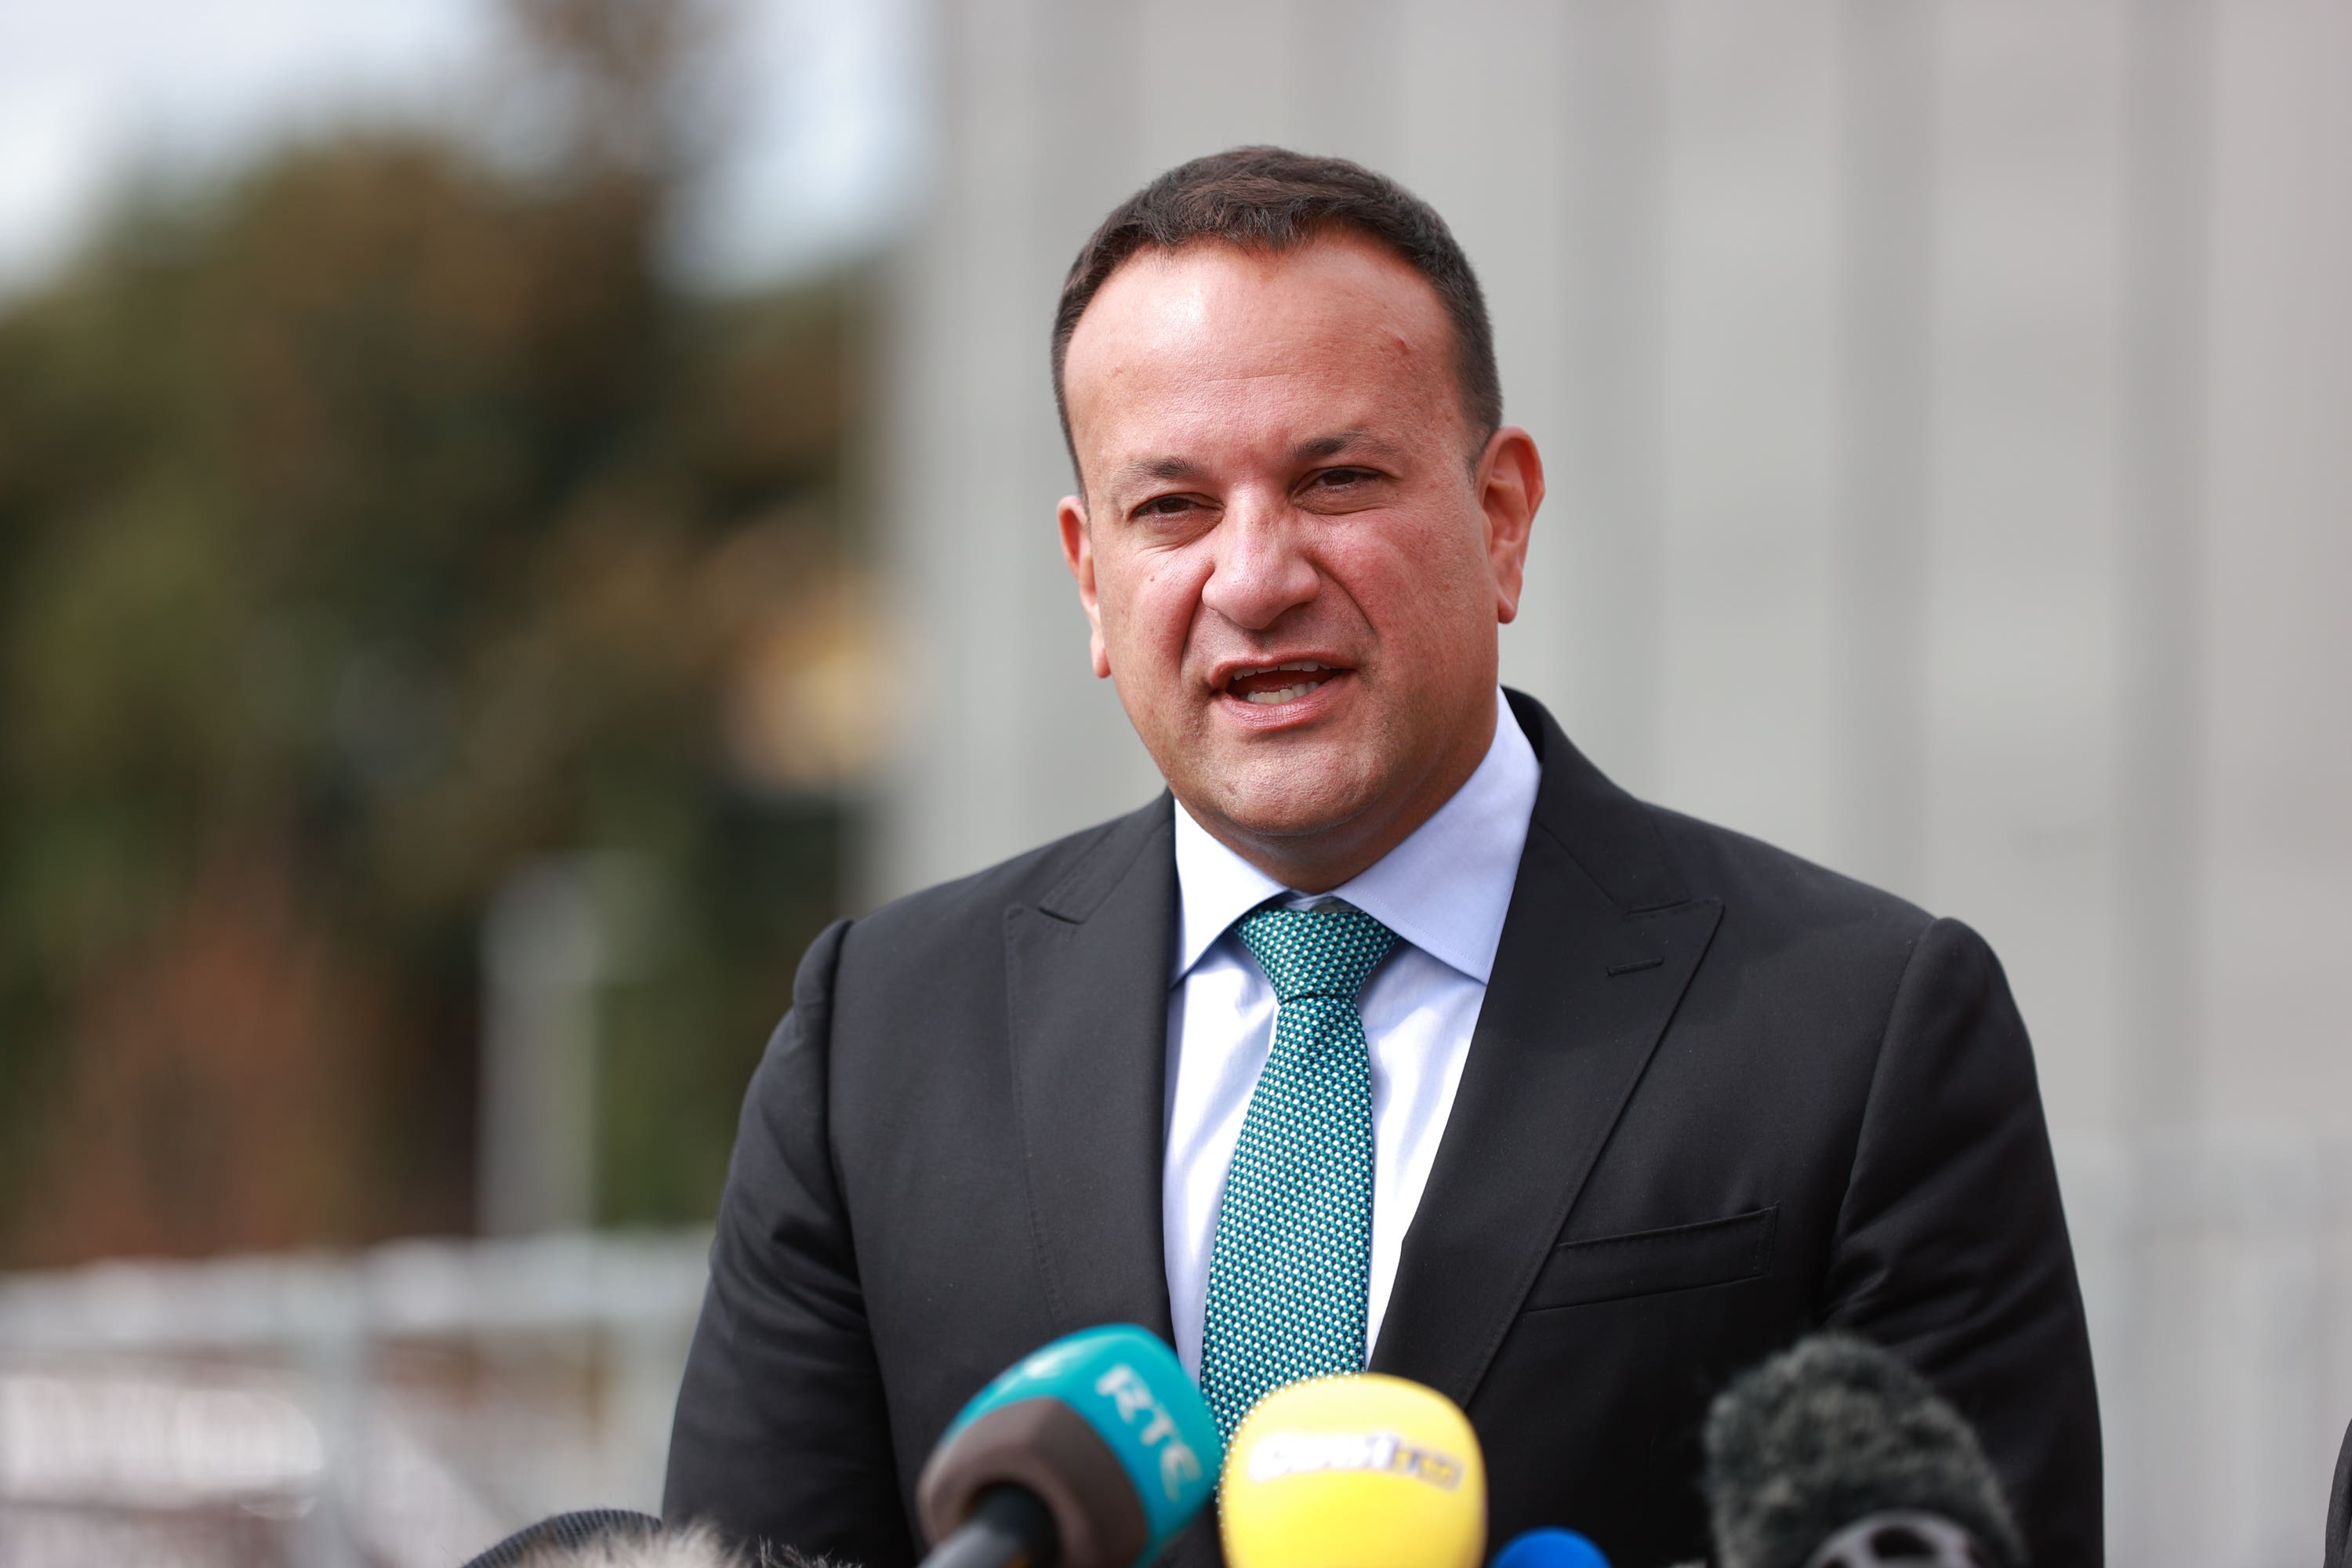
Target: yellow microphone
x,y
1361,1471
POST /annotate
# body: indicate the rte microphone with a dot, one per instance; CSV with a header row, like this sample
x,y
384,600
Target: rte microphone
x,y
1359,1471
1090,1453
1549,1548
1833,1454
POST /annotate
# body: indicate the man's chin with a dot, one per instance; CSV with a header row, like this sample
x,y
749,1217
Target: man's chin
x,y
1288,811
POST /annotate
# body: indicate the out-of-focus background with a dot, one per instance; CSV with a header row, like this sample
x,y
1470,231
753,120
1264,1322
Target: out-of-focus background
x,y
513,512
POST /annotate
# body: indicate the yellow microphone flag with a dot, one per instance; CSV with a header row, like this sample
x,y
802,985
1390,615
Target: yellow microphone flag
x,y
1361,1471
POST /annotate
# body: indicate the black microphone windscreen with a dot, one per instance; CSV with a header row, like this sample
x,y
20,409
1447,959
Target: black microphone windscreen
x,y
1829,1433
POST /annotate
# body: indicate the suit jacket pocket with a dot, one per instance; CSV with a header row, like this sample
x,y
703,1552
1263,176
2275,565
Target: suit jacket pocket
x,y
1714,1252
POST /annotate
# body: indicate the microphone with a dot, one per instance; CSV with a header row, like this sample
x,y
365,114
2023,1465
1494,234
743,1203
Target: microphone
x,y
1833,1454
568,1534
1360,1471
1549,1548
619,1538
1093,1452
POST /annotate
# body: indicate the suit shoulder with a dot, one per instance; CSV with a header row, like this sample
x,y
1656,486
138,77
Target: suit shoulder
x,y
970,909
1772,889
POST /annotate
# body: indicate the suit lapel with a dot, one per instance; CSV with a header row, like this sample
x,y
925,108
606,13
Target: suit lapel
x,y
1087,990
1599,944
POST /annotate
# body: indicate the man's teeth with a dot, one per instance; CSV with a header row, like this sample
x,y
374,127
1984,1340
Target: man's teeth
x,y
1284,693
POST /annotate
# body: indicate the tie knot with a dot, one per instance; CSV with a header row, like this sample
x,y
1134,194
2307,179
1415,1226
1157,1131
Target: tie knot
x,y
1315,953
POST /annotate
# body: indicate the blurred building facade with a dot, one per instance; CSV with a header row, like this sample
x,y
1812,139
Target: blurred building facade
x,y
1946,409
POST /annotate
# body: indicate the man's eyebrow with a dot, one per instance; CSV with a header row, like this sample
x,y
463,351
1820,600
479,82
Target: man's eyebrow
x,y
1162,468
1331,445
1174,469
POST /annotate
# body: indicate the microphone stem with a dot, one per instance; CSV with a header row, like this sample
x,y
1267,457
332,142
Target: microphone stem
x,y
1009,1528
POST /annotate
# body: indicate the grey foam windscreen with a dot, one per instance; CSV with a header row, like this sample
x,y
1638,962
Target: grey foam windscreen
x,y
569,1532
1829,1433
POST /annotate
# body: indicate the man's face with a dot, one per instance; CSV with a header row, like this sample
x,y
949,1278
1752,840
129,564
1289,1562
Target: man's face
x,y
1293,570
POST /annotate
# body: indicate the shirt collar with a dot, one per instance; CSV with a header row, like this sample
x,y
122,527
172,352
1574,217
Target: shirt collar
x,y
1445,889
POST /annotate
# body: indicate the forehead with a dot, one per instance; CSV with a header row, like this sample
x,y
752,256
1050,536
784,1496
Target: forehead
x,y
1218,340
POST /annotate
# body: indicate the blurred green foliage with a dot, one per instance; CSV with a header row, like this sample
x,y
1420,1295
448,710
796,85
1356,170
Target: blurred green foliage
x,y
369,528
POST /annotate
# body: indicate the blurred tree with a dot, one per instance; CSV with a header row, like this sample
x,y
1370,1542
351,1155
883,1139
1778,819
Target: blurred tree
x,y
366,528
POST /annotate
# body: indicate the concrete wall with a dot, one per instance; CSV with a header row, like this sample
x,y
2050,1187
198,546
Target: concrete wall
x,y
1949,413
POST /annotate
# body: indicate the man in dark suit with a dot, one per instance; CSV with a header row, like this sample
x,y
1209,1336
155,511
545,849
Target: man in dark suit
x,y
1395,1034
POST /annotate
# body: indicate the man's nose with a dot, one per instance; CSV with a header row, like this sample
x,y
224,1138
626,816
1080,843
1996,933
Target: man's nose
x,y
1262,571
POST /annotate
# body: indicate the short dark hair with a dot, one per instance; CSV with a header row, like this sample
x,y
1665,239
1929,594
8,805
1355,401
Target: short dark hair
x,y
1273,199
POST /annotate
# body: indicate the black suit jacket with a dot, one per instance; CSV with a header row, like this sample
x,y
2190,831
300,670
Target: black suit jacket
x,y
1716,1098
2340,1509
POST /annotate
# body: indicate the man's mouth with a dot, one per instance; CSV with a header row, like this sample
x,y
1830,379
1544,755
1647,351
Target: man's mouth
x,y
1273,683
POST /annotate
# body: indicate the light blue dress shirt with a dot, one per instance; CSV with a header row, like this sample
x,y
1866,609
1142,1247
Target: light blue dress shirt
x,y
1444,891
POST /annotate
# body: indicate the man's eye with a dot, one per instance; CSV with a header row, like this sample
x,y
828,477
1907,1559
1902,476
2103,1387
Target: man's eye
x,y
1340,478
1165,506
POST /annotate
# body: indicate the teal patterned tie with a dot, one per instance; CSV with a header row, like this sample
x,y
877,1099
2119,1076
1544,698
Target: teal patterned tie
x,y
1289,1270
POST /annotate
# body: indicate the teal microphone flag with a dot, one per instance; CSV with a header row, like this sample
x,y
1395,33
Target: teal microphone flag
x,y
1104,1427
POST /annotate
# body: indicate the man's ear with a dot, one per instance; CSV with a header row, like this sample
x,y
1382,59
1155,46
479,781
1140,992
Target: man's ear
x,y
1510,488
1079,550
